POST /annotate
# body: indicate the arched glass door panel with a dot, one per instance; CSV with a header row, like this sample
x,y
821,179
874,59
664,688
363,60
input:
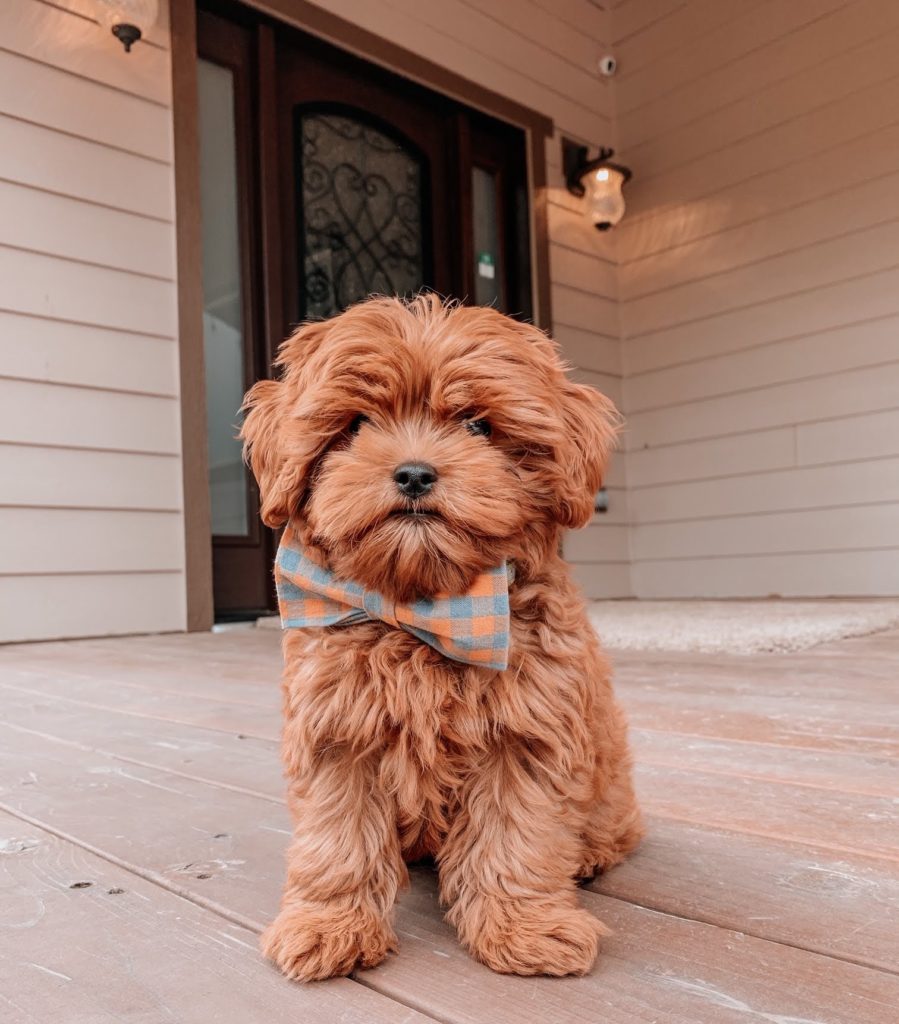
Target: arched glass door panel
x,y
360,211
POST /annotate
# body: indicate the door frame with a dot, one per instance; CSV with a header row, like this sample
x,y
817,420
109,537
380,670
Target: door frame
x,y
318,22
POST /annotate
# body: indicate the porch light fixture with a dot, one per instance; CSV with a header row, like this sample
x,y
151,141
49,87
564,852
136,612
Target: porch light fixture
x,y
600,180
128,20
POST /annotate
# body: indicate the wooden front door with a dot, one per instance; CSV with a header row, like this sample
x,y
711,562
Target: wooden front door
x,y
326,179
363,157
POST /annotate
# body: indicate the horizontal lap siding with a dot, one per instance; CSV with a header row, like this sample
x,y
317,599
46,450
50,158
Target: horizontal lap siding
x,y
89,417
542,54
759,275
42,476
860,574
744,314
55,606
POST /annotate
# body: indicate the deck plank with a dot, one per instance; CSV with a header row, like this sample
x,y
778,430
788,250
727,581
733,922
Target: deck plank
x,y
243,683
847,822
801,895
857,654
35,704
828,770
824,679
225,686
209,712
743,704
85,940
255,649
757,725
844,821
224,849
836,697
810,701
218,709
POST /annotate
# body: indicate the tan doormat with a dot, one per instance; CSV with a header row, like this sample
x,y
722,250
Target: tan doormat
x,y
737,627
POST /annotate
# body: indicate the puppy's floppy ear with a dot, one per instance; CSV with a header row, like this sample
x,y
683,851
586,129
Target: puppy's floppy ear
x,y
262,448
591,430
277,444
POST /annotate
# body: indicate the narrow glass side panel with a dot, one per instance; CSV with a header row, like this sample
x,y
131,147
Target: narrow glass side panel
x,y
488,271
223,338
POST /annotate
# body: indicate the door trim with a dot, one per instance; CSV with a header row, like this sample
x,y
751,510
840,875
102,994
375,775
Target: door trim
x,y
316,21
188,239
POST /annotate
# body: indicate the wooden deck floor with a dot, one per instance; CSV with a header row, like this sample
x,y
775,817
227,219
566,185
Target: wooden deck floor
x,y
142,830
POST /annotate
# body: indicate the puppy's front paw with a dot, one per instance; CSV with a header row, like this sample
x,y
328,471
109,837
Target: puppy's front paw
x,y
537,937
310,942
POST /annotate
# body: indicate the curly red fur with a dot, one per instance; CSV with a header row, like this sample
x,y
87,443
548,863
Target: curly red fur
x,y
517,782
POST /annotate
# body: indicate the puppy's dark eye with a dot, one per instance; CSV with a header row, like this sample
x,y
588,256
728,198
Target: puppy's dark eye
x,y
354,426
480,428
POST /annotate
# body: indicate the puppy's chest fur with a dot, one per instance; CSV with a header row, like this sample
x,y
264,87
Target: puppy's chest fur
x,y
425,726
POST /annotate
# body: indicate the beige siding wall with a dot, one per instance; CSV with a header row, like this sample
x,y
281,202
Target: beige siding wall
x,y
744,314
759,285
89,421
542,53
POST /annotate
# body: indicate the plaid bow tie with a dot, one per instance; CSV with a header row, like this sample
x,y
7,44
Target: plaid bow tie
x,y
472,628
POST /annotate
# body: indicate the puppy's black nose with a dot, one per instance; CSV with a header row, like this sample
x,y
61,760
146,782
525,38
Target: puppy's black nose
x,y
415,478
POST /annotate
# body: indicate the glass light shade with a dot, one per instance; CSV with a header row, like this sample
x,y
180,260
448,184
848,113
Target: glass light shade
x,y
605,202
140,13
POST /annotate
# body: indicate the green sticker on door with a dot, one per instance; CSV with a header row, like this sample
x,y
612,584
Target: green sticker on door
x,y
486,265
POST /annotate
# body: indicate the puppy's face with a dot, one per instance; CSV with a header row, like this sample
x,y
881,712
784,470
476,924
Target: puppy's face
x,y
421,444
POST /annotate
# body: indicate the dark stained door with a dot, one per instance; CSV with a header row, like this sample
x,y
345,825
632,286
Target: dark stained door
x,y
364,158
336,180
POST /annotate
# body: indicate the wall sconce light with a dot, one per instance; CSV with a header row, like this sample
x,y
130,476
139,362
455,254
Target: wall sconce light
x,y
128,20
599,180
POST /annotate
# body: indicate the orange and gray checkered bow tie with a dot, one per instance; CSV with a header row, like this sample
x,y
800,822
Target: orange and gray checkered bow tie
x,y
472,628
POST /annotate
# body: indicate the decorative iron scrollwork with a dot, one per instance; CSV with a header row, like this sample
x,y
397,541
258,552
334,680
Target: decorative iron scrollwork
x,y
360,216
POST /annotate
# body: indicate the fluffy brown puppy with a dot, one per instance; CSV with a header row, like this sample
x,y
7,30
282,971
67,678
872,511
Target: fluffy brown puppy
x,y
518,781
